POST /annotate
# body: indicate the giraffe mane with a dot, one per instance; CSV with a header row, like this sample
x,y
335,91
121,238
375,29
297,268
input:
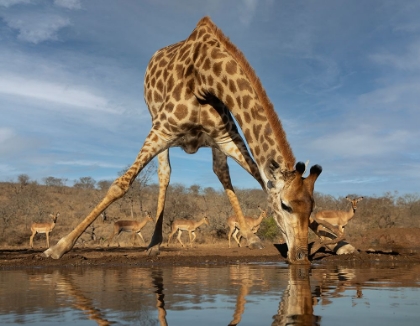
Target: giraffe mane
x,y
268,107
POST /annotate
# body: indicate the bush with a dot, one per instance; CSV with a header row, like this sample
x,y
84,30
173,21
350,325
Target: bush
x,y
269,230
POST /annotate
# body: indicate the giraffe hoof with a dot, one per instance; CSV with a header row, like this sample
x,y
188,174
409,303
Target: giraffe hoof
x,y
153,251
58,250
51,253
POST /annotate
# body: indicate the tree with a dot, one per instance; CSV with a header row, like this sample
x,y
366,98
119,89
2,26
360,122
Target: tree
x,y
85,183
23,179
195,190
54,182
136,190
104,184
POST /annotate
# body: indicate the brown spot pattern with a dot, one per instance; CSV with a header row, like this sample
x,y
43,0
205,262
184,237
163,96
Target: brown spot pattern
x,y
181,111
203,65
231,67
217,68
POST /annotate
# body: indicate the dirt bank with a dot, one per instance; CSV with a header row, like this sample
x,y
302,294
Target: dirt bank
x,y
216,254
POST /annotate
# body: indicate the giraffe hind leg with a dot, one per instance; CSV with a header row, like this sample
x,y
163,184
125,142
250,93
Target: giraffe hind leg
x,y
221,169
164,174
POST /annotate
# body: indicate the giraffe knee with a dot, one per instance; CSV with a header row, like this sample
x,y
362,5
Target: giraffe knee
x,y
118,189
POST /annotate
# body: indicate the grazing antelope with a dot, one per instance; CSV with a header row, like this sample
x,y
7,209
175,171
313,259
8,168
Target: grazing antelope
x,y
253,223
337,219
43,228
130,226
186,225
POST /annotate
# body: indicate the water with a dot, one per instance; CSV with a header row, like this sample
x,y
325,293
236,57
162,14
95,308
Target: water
x,y
268,294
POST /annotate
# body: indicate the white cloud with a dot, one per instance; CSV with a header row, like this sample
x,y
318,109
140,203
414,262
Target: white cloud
x,y
53,92
100,164
362,141
5,169
409,60
10,3
321,75
36,27
247,12
411,27
5,134
394,97
69,4
12,144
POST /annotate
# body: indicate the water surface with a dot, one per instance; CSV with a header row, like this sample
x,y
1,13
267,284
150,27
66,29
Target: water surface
x,y
255,294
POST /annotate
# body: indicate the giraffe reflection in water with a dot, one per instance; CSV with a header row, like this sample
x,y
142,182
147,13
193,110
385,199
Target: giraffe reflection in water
x,y
246,277
157,280
296,304
165,295
82,302
295,307
65,284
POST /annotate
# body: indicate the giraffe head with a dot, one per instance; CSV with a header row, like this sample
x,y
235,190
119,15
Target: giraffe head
x,y
291,197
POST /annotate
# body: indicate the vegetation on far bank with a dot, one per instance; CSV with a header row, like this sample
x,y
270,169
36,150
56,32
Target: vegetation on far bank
x,y
25,201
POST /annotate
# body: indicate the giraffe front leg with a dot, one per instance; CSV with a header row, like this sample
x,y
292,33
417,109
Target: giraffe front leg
x,y
152,145
164,174
66,243
221,169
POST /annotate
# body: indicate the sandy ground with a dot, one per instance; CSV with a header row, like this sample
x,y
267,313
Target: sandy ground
x,y
401,248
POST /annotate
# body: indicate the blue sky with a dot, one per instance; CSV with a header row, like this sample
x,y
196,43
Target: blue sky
x,y
344,77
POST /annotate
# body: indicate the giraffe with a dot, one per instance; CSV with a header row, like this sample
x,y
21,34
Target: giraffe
x,y
195,90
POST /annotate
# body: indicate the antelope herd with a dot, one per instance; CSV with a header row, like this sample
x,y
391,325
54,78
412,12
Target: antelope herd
x,y
321,222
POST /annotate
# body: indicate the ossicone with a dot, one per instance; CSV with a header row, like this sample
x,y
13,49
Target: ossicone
x,y
316,169
300,167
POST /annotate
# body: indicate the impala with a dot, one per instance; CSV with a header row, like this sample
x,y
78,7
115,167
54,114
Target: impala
x,y
253,223
130,226
186,225
43,228
337,219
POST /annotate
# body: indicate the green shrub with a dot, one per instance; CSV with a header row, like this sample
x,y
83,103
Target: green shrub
x,y
269,229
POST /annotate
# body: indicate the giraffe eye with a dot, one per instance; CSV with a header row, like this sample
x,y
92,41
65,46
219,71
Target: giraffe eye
x,y
286,208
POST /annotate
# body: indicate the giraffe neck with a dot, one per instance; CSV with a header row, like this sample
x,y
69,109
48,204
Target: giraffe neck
x,y
242,93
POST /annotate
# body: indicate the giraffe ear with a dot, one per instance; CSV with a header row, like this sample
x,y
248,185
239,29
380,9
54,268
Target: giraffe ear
x,y
314,174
